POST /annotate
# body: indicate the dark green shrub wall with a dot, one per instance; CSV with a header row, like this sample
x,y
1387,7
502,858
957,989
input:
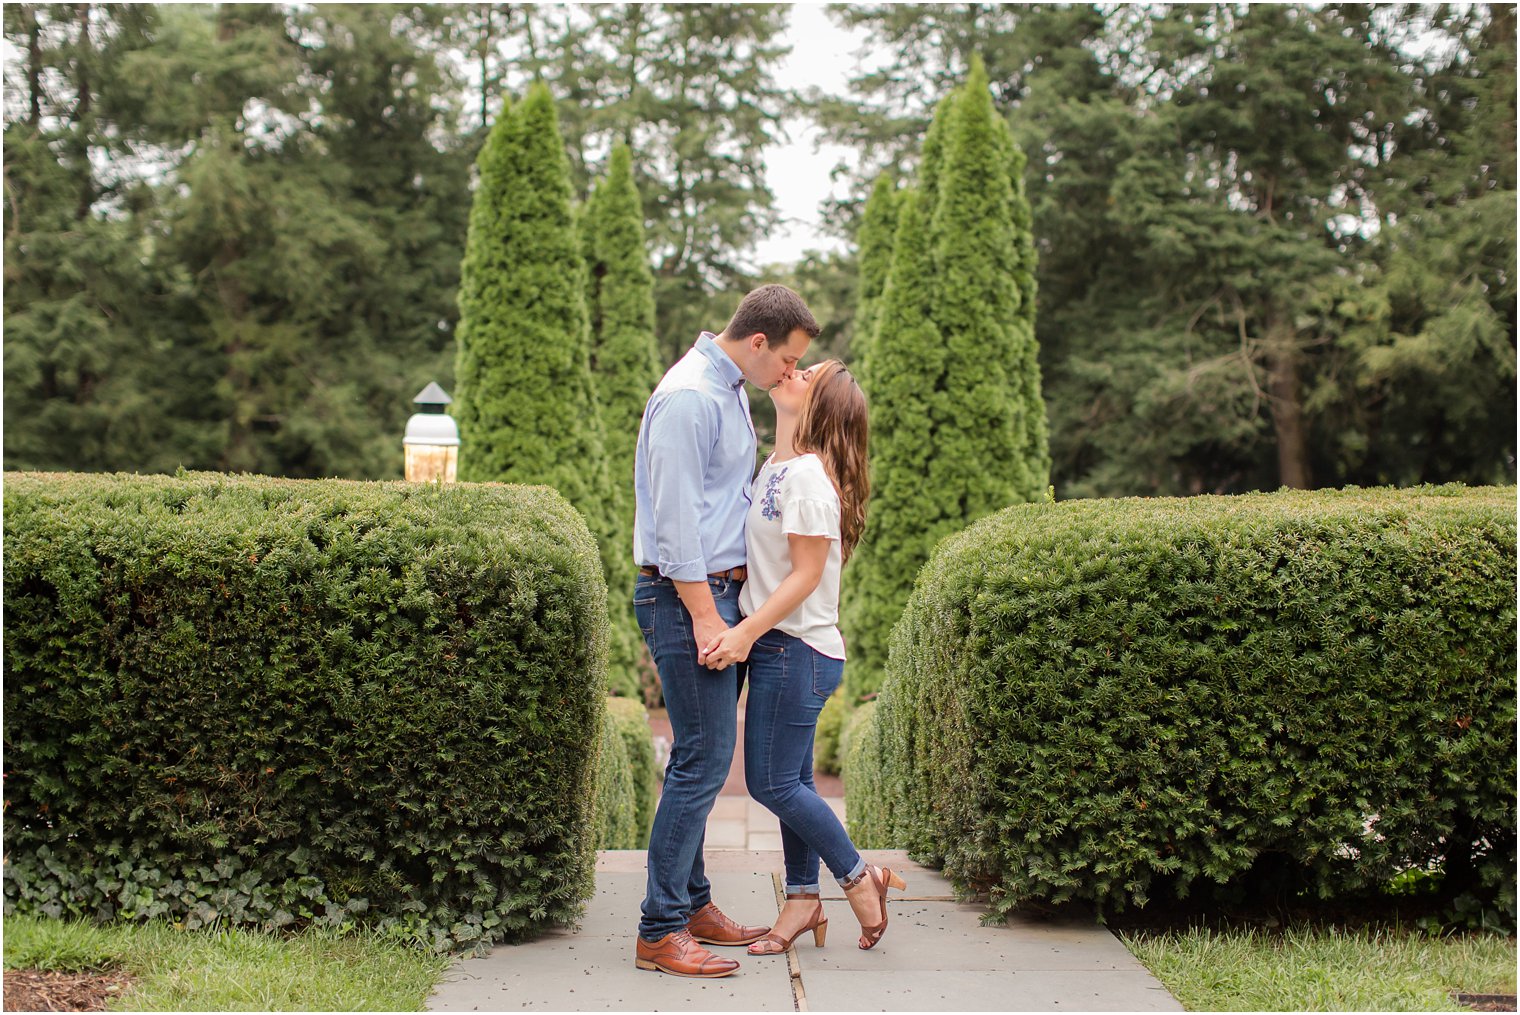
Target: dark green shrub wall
x,y
631,721
268,702
1111,700
616,811
827,755
868,802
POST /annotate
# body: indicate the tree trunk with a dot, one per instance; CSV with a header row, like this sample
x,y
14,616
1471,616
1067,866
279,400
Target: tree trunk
x,y
34,71
81,118
1283,360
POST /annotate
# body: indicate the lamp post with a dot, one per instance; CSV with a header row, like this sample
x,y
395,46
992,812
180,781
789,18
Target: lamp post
x,y
432,439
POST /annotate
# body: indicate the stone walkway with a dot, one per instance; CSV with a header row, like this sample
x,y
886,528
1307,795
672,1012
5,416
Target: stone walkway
x,y
737,822
935,956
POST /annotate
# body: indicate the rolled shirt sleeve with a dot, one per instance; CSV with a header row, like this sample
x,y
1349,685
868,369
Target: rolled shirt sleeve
x,y
682,430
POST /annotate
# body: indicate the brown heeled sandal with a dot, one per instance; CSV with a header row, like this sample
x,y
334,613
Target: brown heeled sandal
x,y
882,878
775,944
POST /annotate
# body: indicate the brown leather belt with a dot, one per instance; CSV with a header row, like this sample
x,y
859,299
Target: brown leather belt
x,y
738,574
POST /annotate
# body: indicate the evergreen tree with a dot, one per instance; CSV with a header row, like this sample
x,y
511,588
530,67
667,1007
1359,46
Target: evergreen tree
x,y
958,426
1437,366
265,297
624,357
384,151
991,444
625,365
908,356
692,90
524,397
877,227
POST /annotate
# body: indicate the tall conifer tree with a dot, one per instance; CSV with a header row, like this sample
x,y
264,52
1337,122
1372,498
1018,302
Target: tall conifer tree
x,y
625,363
524,396
907,355
992,450
625,358
877,227
958,425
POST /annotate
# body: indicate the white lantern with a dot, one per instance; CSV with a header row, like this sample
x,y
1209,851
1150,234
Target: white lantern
x,y
432,439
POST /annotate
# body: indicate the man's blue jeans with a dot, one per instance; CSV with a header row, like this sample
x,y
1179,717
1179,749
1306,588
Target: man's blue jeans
x,y
789,681
703,709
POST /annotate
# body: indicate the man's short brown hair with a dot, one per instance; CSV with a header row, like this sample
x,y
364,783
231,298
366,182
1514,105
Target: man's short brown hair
x,y
774,311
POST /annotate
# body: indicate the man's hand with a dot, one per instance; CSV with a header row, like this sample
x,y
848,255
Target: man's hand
x,y
729,647
705,631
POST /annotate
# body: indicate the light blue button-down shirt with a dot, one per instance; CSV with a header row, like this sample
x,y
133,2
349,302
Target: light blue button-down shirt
x,y
693,465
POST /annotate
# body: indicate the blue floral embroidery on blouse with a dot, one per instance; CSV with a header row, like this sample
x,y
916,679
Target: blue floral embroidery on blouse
x,y
768,508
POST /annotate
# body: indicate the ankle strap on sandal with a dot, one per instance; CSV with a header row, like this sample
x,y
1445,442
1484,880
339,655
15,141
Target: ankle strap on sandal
x,y
865,872
802,896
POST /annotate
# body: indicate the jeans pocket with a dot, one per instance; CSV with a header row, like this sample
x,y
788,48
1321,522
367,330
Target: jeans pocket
x,y
643,612
827,673
771,643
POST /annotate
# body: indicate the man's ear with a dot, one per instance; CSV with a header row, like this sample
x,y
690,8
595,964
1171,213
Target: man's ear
x,y
756,341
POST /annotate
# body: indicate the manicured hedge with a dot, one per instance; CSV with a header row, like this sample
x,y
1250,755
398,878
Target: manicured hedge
x,y
628,777
827,755
868,805
269,702
1114,700
616,814
632,722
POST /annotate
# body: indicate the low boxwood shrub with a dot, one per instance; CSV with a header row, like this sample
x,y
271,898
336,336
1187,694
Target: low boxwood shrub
x,y
631,720
827,755
273,702
868,806
852,723
1115,700
616,812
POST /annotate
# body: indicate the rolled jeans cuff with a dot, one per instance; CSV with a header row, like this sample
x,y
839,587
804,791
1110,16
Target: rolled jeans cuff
x,y
860,865
812,889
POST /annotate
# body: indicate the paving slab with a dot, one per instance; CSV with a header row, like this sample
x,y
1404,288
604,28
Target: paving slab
x,y
768,841
735,808
591,967
936,956
727,833
1002,990
950,936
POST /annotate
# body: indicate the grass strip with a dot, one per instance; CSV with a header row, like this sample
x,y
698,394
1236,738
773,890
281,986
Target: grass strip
x,y
1310,968
231,969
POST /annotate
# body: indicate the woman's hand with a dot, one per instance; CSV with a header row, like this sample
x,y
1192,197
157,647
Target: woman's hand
x,y
732,646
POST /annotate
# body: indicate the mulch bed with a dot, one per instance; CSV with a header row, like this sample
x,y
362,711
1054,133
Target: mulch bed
x,y
41,990
1486,1002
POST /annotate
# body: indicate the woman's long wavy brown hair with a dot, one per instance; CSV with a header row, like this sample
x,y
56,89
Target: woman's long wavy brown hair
x,y
833,426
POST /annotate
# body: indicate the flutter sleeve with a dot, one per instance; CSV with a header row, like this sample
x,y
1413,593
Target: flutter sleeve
x,y
809,505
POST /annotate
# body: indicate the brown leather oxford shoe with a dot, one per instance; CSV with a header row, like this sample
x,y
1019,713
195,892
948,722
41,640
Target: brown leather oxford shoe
x,y
709,926
677,954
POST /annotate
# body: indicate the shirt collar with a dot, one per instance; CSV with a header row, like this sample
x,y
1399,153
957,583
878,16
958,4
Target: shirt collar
x,y
707,345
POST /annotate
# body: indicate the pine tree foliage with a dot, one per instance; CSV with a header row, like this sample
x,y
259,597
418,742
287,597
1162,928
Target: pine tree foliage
x,y
1268,235
907,353
991,446
524,397
245,291
625,366
958,425
694,90
524,400
625,359
877,228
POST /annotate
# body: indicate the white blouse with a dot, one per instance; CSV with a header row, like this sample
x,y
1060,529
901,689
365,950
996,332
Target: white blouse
x,y
794,497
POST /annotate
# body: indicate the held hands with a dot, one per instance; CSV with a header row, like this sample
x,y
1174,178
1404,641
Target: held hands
x,y
731,646
704,632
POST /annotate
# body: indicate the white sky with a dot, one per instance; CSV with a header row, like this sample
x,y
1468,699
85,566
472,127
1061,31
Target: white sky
x,y
823,55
